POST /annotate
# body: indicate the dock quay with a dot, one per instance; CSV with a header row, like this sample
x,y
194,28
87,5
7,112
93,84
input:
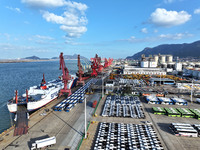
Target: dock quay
x,y
68,127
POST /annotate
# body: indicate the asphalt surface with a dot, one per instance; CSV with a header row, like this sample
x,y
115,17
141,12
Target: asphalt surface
x,y
160,123
68,127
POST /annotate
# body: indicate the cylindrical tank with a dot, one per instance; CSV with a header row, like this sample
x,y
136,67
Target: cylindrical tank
x,y
164,65
162,58
169,58
156,58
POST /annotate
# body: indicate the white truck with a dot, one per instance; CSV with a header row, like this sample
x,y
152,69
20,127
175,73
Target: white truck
x,y
43,143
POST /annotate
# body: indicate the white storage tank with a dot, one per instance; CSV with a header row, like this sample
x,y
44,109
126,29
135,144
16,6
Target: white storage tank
x,y
169,58
178,66
162,58
144,64
156,58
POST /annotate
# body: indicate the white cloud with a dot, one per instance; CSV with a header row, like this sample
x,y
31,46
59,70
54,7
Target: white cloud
x,y
176,36
14,9
161,37
73,20
44,3
67,18
43,37
74,31
155,31
197,11
162,17
79,6
168,1
144,30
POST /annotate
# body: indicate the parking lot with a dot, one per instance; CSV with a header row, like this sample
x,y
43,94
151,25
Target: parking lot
x,y
123,106
126,136
160,124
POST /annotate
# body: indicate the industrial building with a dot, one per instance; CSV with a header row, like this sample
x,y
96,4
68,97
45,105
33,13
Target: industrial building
x,y
156,60
147,71
195,73
161,81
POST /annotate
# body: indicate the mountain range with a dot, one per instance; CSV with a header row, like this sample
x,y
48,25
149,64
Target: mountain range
x,y
177,50
75,56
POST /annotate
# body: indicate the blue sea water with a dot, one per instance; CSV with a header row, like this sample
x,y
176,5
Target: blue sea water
x,y
20,76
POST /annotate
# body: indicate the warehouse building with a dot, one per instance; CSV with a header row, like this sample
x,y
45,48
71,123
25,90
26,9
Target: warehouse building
x,y
161,81
147,71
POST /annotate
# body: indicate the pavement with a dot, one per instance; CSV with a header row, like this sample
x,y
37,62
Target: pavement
x,y
68,127
160,123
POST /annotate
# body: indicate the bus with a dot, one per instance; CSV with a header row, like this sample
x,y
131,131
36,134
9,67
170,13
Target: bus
x,y
186,132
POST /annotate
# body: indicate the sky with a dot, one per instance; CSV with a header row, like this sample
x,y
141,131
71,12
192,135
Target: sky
x,y
109,28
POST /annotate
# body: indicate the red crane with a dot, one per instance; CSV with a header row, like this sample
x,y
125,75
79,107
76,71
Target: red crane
x,y
110,60
106,63
80,73
100,67
94,66
65,77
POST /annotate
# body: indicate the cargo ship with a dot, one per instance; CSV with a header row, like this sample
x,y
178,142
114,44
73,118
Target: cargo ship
x,y
38,96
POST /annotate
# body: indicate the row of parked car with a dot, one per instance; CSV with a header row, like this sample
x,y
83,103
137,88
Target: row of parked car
x,y
123,106
152,99
126,136
77,97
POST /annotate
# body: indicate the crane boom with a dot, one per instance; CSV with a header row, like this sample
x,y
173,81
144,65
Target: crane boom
x,y
65,77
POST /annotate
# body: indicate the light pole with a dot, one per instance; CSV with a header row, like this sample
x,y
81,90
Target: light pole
x,y
160,78
191,92
85,118
102,87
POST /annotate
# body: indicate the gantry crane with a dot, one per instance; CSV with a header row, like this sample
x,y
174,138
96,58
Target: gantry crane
x,y
65,77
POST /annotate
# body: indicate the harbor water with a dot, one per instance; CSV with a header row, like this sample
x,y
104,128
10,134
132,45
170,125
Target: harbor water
x,y
21,76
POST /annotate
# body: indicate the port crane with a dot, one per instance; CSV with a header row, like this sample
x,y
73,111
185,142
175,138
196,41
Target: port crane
x,y
100,67
80,73
106,63
65,77
94,66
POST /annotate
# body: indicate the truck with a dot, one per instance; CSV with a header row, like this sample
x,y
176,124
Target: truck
x,y
38,144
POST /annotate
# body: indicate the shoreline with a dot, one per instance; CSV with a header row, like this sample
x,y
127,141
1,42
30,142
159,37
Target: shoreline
x,y
27,60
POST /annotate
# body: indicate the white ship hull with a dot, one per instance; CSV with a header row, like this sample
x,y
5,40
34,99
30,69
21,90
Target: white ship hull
x,y
40,97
